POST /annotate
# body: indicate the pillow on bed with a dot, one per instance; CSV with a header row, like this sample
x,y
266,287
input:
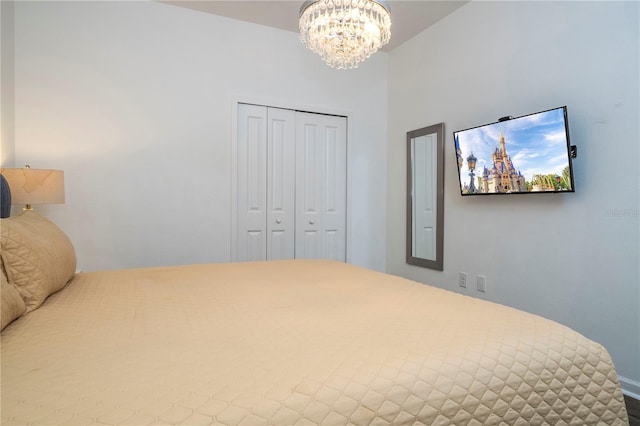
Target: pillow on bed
x,y
38,257
12,304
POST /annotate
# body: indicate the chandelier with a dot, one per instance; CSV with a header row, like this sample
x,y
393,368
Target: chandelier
x,y
345,32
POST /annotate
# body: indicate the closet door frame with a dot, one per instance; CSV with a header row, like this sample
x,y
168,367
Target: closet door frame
x,y
278,103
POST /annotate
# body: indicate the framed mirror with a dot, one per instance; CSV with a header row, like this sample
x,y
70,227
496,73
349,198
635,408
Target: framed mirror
x,y
425,197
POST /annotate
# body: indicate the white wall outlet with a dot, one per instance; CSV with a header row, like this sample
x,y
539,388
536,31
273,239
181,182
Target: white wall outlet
x,y
462,279
482,283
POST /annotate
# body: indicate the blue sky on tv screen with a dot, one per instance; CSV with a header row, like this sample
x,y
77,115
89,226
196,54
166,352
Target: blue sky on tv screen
x,y
536,143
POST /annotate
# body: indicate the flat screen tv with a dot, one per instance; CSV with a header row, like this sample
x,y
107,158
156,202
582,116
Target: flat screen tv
x,y
517,155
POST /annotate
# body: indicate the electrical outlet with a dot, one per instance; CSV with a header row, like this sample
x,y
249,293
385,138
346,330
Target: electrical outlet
x,y
462,279
482,283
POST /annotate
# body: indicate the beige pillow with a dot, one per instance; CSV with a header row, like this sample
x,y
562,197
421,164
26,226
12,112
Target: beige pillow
x,y
12,304
38,257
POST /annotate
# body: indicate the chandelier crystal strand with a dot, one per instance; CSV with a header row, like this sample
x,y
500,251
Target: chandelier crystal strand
x,y
344,32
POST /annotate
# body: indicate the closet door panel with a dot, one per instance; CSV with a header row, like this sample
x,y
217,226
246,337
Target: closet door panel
x,y
281,184
254,242
251,192
309,167
320,186
335,188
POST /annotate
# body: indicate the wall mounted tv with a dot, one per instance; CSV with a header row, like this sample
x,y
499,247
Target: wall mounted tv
x,y
517,155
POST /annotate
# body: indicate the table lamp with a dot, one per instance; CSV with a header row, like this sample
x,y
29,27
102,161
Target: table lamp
x,y
35,186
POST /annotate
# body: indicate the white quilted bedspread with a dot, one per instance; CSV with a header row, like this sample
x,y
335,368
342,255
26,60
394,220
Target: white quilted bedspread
x,y
294,342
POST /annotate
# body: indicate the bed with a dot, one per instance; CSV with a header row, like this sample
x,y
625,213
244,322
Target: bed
x,y
282,343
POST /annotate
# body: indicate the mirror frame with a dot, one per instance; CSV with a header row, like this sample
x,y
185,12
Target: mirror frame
x,y
438,263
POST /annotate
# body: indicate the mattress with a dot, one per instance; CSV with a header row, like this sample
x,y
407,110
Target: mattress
x,y
294,342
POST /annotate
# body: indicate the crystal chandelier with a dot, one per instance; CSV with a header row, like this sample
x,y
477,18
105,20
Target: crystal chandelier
x,y
345,32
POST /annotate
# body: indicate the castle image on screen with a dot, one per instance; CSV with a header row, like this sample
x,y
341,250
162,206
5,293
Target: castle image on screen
x,y
525,154
503,175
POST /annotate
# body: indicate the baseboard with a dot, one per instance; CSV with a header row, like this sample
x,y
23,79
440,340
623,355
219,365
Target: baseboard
x,y
630,387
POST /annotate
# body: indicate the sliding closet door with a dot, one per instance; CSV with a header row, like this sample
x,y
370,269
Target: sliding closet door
x,y
321,176
291,185
281,178
266,183
252,190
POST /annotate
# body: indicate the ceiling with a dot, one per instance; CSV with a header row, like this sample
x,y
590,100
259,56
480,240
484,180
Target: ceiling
x,y
408,17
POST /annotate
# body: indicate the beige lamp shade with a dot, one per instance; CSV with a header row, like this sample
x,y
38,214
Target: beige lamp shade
x,y
35,186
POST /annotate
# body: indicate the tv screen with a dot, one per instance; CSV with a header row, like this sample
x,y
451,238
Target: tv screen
x,y
521,155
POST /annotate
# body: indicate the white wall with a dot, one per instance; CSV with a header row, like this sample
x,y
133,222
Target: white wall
x,y
7,83
133,100
573,258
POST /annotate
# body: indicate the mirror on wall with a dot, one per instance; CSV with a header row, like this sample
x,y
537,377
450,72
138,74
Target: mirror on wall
x,y
425,196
